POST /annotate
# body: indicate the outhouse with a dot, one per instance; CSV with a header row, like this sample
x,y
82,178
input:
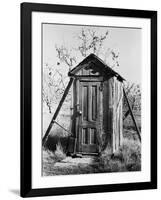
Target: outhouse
x,y
97,99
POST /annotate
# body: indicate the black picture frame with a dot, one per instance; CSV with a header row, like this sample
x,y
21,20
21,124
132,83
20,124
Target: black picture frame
x,y
26,99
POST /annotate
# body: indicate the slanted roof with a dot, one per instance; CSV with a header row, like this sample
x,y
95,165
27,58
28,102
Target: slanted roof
x,y
94,63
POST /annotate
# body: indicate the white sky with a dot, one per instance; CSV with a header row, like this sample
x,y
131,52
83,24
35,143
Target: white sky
x,y
126,41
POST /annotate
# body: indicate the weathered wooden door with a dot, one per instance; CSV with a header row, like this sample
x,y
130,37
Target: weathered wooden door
x,y
88,123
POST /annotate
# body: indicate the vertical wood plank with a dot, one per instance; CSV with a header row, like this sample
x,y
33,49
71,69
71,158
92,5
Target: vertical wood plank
x,y
77,120
114,116
89,108
88,136
85,93
121,114
94,101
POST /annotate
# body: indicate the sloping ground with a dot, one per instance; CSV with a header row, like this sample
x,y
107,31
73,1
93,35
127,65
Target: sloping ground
x,y
70,165
128,158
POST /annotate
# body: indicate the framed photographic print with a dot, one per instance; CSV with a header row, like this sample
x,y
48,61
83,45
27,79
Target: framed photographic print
x,y
88,99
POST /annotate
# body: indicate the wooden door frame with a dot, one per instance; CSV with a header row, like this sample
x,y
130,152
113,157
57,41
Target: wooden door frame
x,y
76,88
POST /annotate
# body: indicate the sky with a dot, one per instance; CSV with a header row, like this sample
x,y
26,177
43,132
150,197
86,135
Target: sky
x,y
124,40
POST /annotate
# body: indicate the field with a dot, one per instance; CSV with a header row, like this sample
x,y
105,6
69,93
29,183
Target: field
x,y
56,162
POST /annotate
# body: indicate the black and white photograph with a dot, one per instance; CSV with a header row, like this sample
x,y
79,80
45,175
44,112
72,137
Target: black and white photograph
x,y
91,99
88,99
79,108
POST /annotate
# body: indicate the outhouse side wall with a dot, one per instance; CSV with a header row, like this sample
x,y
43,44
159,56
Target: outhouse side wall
x,y
112,115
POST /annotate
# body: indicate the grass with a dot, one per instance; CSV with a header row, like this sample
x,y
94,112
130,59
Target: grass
x,y
57,134
131,153
128,123
127,158
50,158
59,153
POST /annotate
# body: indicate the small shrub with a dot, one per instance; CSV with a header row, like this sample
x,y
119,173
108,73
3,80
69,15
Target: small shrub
x,y
117,166
127,158
53,140
47,155
56,156
131,152
59,153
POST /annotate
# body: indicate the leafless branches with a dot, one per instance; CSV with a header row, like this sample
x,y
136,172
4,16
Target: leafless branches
x,y
55,78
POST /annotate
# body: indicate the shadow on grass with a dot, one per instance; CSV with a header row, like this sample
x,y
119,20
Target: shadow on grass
x,y
54,140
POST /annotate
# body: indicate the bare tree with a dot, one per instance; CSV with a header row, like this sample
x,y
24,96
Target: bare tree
x,y
89,40
65,56
54,83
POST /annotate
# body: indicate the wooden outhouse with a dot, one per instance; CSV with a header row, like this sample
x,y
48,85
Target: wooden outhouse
x,y
97,99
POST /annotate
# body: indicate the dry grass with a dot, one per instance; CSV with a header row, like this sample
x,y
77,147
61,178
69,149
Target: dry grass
x,y
50,158
59,153
129,124
128,158
53,157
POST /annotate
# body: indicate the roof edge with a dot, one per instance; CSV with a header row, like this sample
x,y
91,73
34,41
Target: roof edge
x,y
93,56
